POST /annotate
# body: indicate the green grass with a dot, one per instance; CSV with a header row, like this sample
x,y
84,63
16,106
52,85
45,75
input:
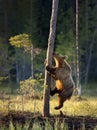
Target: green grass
x,y
77,108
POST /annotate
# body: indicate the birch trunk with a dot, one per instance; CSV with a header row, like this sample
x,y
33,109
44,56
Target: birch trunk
x,y
77,54
51,39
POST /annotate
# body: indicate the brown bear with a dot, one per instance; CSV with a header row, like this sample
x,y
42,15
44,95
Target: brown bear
x,y
63,78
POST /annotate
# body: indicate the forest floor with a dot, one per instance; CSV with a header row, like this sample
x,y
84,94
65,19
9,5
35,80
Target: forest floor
x,y
57,122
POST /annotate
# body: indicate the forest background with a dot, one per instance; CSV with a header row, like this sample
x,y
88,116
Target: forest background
x,y
33,18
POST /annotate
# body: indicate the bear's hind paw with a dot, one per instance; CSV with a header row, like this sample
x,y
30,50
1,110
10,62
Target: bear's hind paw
x,y
58,107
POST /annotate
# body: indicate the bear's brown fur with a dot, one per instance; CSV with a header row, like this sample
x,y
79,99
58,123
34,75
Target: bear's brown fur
x,y
64,82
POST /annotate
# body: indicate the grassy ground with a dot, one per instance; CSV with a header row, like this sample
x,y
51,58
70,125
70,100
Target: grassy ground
x,y
77,108
73,107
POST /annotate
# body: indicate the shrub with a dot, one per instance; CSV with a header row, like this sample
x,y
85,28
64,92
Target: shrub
x,y
31,88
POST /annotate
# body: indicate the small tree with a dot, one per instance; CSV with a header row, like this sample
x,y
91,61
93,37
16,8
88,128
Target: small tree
x,y
23,42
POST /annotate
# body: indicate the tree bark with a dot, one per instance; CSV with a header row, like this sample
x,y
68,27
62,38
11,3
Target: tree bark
x,y
77,54
51,39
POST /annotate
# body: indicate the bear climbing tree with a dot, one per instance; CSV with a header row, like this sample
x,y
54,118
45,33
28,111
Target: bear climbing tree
x,y
51,39
62,74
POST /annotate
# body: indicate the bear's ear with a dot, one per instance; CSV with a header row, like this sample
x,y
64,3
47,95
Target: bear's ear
x,y
65,57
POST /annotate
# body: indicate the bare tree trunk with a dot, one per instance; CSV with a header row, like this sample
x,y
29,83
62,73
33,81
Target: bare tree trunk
x,y
77,54
87,22
51,39
5,21
32,68
90,51
24,65
17,67
90,56
32,54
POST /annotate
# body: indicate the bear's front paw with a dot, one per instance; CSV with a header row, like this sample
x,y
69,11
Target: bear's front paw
x,y
47,67
51,93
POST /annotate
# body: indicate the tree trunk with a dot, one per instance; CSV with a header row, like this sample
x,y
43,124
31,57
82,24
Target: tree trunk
x,y
77,54
90,50
32,54
17,67
32,59
51,39
23,66
5,21
90,57
87,38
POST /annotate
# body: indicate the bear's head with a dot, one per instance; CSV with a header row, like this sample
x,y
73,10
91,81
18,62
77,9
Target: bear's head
x,y
59,60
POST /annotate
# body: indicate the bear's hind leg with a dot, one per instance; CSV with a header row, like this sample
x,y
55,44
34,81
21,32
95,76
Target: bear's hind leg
x,y
60,101
63,96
